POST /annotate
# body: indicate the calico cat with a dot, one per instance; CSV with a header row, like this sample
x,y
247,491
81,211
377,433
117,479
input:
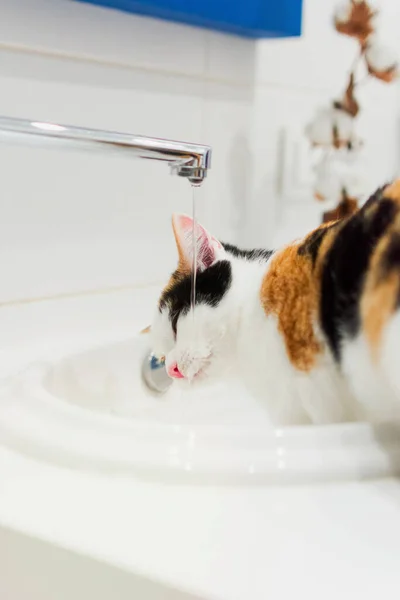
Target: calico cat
x,y
312,329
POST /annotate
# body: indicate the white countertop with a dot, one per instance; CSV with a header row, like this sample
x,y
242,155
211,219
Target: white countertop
x,y
230,543
330,541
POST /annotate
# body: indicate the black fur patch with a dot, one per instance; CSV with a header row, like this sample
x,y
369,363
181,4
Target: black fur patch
x,y
211,286
257,254
345,268
313,242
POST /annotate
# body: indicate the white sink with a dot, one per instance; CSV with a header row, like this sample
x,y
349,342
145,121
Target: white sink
x,y
129,508
92,411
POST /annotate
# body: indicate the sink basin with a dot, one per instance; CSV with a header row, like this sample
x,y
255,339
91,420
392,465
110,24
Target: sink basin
x,y
92,411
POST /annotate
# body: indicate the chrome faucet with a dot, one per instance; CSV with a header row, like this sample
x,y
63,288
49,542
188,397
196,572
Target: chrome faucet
x,y
186,160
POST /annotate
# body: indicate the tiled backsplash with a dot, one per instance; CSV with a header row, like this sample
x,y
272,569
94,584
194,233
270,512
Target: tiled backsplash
x,y
74,222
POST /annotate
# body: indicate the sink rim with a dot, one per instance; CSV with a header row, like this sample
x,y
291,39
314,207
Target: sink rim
x,y
37,423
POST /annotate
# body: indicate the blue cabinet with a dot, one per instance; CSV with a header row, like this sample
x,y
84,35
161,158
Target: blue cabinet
x,y
248,18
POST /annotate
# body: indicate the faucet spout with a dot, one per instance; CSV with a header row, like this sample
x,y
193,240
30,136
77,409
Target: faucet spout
x,y
186,160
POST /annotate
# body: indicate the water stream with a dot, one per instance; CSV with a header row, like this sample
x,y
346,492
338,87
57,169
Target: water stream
x,y
195,242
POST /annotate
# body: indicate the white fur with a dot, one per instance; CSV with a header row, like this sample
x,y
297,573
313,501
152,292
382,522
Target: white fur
x,y
238,339
375,379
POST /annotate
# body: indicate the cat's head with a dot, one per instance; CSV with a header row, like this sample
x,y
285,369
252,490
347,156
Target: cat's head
x,y
195,342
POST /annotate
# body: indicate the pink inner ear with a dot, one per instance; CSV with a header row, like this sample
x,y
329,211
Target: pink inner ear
x,y
206,245
183,222
205,249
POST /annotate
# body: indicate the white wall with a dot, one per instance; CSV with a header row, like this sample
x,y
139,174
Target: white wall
x,y
72,222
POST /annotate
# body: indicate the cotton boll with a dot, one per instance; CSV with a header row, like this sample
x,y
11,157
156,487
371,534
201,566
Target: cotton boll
x,y
382,61
331,127
327,184
342,12
319,130
354,183
338,173
355,18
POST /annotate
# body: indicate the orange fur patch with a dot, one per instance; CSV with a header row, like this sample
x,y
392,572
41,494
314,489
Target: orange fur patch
x,y
380,293
306,244
377,307
392,191
146,329
183,268
171,282
324,248
289,291
183,265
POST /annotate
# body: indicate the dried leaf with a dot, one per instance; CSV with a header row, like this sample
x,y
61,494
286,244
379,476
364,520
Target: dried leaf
x,y
346,207
359,21
387,76
319,197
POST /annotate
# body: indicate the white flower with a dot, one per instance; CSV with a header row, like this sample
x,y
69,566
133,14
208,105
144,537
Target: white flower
x,y
331,127
382,61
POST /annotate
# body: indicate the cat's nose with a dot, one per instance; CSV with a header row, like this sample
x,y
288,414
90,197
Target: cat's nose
x,y
173,371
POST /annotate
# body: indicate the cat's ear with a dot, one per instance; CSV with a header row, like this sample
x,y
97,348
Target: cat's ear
x,y
209,249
